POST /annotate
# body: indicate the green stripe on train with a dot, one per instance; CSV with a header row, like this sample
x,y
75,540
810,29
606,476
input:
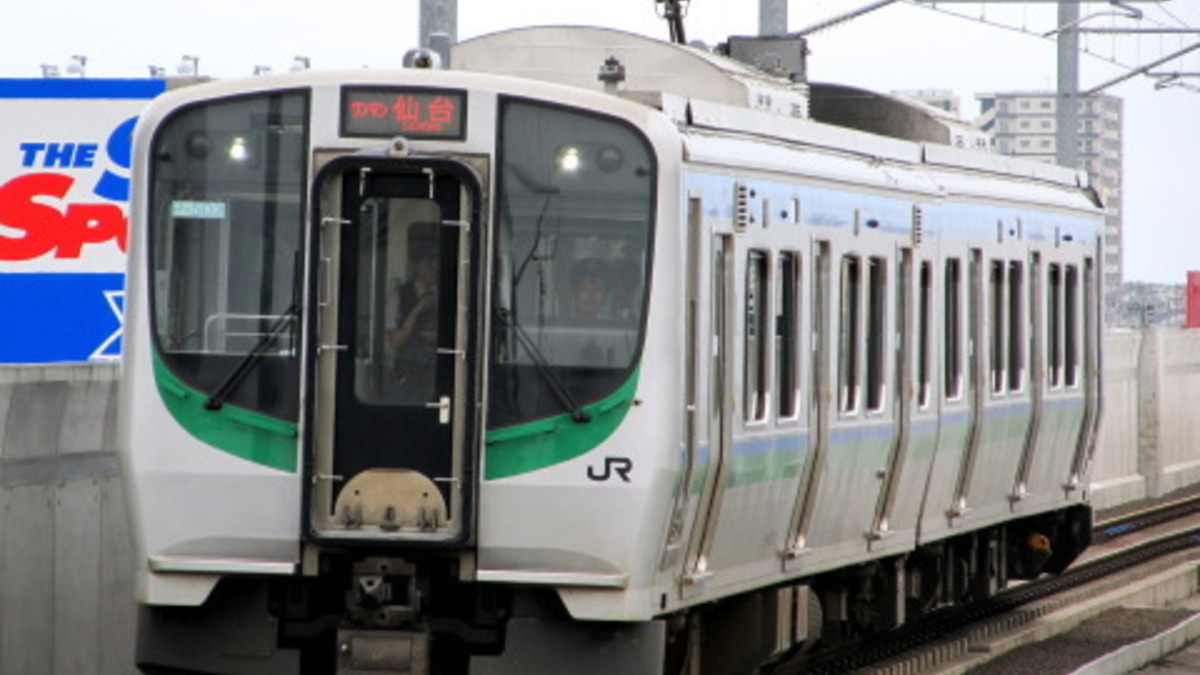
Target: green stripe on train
x,y
252,436
525,448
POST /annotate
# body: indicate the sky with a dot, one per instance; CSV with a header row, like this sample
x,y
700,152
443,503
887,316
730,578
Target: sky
x,y
900,47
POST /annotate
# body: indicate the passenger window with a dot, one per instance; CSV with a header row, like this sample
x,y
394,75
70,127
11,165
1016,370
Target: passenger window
x,y
924,309
1016,326
1071,327
757,335
953,328
1089,329
1054,326
787,331
876,335
849,332
996,334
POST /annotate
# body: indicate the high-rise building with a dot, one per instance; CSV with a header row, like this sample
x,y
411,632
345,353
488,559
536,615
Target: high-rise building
x,y
1023,124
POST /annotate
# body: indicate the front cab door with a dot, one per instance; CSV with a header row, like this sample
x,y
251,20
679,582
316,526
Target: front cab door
x,y
390,403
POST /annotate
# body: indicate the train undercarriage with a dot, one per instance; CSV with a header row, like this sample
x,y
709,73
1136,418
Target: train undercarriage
x,y
376,615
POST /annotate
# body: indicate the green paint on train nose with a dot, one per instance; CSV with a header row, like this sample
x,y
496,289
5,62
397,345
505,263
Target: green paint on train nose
x,y
525,448
252,436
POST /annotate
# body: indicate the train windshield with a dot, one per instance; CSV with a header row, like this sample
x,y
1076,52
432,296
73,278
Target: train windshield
x,y
226,214
573,230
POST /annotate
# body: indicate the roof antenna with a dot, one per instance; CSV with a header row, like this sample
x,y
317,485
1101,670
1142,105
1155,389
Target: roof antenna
x,y
674,11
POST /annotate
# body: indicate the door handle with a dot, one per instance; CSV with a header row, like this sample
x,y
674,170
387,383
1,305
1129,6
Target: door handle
x,y
442,405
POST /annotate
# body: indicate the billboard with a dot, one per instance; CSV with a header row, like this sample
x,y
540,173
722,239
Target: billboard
x,y
64,195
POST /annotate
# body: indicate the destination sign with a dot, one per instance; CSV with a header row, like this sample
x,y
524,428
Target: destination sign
x,y
404,111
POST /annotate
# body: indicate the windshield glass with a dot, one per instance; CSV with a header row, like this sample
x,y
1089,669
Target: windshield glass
x,y
226,212
574,215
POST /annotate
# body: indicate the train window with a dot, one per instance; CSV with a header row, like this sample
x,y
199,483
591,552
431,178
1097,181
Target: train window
x,y
996,340
1054,326
1071,327
821,317
952,344
719,331
787,332
1016,326
571,269
398,266
1089,321
876,334
924,310
225,237
757,336
849,332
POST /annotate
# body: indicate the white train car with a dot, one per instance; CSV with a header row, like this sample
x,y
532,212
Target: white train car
x,y
479,370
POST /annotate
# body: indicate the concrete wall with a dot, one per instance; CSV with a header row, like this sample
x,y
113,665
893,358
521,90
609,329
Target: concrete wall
x,y
1178,408
66,563
1152,379
1116,474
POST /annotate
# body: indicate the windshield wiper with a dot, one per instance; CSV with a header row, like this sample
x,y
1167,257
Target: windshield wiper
x,y
578,414
251,359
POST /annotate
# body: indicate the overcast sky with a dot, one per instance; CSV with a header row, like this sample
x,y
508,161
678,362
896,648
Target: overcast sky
x,y
902,46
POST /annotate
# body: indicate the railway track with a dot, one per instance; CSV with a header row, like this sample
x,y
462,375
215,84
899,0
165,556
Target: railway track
x,y
1150,540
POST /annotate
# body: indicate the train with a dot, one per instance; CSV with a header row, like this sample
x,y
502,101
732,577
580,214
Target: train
x,y
590,353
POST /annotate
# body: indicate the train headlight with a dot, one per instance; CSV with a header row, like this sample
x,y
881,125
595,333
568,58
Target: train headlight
x,y
569,160
237,150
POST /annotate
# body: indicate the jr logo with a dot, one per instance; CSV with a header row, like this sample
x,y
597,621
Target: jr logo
x,y
621,466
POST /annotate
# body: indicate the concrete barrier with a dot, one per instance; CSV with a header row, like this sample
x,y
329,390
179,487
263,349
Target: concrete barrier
x,y
1178,409
66,561
1116,472
1149,443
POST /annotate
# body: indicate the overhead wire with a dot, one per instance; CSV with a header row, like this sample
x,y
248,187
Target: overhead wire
x,y
1112,59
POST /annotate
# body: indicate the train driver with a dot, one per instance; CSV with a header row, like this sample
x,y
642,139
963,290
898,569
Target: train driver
x,y
414,338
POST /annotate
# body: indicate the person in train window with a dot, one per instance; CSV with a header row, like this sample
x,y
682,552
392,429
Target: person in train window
x,y
590,290
589,279
414,337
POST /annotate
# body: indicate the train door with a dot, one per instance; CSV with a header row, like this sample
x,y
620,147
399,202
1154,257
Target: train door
x,y
855,426
1036,383
715,345
1067,355
683,512
918,427
819,400
391,408
1091,375
975,380
904,388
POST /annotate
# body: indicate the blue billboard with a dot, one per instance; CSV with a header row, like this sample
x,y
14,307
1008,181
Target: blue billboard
x,y
64,193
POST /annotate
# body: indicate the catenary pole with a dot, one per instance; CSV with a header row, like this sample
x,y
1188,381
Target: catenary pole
x,y
438,16
1066,116
772,17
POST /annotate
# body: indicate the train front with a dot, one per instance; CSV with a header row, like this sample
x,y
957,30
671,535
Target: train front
x,y
383,345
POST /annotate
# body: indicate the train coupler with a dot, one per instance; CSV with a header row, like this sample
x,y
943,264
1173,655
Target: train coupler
x,y
383,593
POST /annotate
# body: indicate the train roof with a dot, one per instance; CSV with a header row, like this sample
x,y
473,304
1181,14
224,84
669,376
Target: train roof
x,y
705,91
573,55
